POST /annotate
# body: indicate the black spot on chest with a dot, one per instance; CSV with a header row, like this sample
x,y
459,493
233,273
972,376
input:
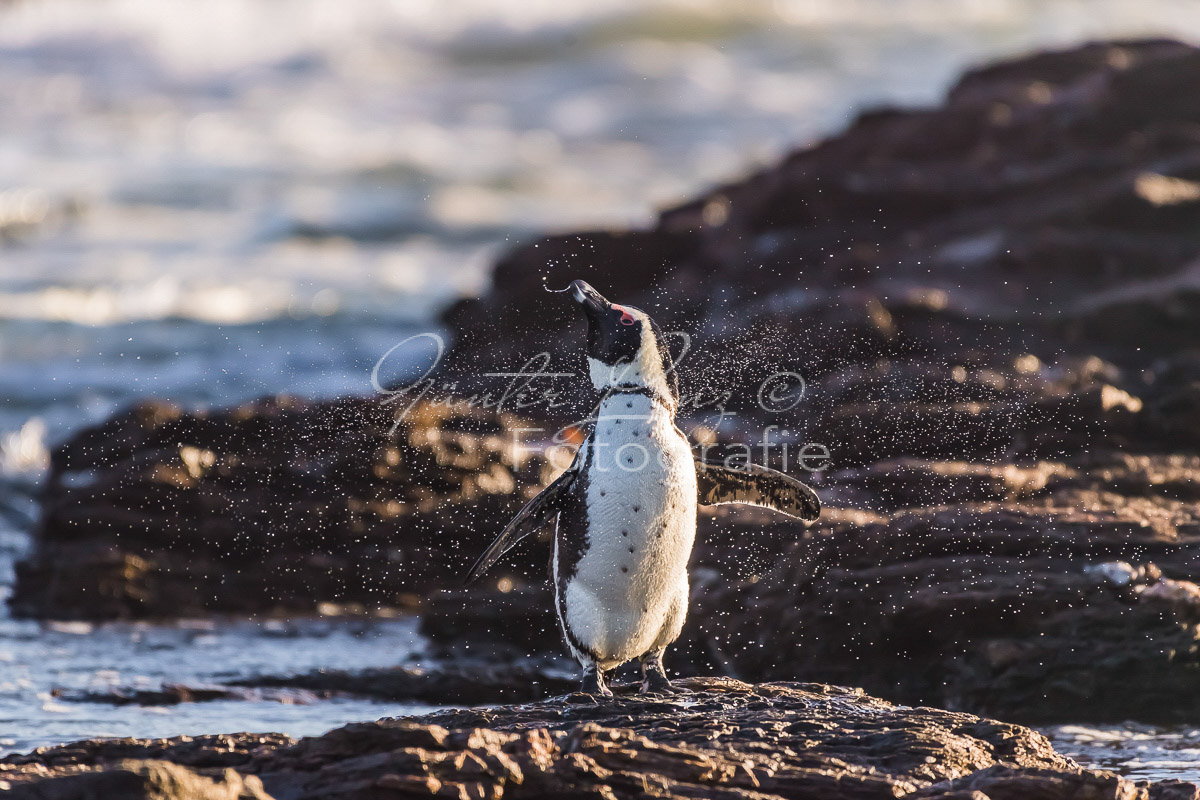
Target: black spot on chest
x,y
572,535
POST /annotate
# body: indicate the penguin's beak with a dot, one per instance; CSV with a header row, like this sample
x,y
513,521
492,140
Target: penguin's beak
x,y
592,301
613,334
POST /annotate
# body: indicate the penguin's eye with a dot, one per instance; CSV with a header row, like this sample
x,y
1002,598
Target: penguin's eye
x,y
626,317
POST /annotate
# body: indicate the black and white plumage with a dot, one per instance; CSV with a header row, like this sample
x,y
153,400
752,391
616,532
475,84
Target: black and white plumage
x,y
625,510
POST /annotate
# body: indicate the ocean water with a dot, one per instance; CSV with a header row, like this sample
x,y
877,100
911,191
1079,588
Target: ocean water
x,y
213,202
1139,752
38,662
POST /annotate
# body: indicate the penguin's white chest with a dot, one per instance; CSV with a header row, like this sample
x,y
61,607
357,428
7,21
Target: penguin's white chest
x,y
630,585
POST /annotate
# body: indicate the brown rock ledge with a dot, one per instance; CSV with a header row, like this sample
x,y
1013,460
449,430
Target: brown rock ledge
x,y
275,506
460,682
719,738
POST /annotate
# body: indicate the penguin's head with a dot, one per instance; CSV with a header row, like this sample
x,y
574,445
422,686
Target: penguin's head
x,y
625,348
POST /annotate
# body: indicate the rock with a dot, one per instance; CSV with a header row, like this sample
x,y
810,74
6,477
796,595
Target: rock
x,y
1184,595
277,506
201,752
469,682
508,623
173,693
988,606
719,738
461,681
1118,573
1003,783
144,780
1174,790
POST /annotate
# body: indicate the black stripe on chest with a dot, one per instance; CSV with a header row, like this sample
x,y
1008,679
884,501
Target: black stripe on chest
x,y
572,533
572,542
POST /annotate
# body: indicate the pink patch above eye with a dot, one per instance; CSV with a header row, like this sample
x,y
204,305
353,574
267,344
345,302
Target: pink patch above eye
x,y
626,317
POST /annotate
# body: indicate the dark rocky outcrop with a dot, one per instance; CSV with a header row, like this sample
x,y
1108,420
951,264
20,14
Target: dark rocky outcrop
x,y
1050,203
1026,613
992,303
276,506
721,738
462,682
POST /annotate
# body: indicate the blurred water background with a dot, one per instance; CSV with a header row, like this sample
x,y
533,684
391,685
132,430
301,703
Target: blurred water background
x,y
210,202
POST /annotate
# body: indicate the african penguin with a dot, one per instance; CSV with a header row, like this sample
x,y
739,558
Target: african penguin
x,y
625,510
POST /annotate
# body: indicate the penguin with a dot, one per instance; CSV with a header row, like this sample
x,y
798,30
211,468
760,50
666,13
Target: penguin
x,y
624,512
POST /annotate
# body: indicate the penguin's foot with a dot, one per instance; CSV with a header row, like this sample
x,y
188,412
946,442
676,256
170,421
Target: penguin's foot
x,y
593,683
657,683
654,677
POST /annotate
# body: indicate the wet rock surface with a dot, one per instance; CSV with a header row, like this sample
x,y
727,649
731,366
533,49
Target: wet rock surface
x,y
716,738
1029,614
463,681
278,506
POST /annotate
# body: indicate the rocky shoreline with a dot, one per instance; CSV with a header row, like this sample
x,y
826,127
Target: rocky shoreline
x,y
459,682
275,507
993,305
718,738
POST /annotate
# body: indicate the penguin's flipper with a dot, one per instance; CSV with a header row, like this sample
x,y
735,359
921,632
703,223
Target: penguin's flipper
x,y
537,512
758,486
